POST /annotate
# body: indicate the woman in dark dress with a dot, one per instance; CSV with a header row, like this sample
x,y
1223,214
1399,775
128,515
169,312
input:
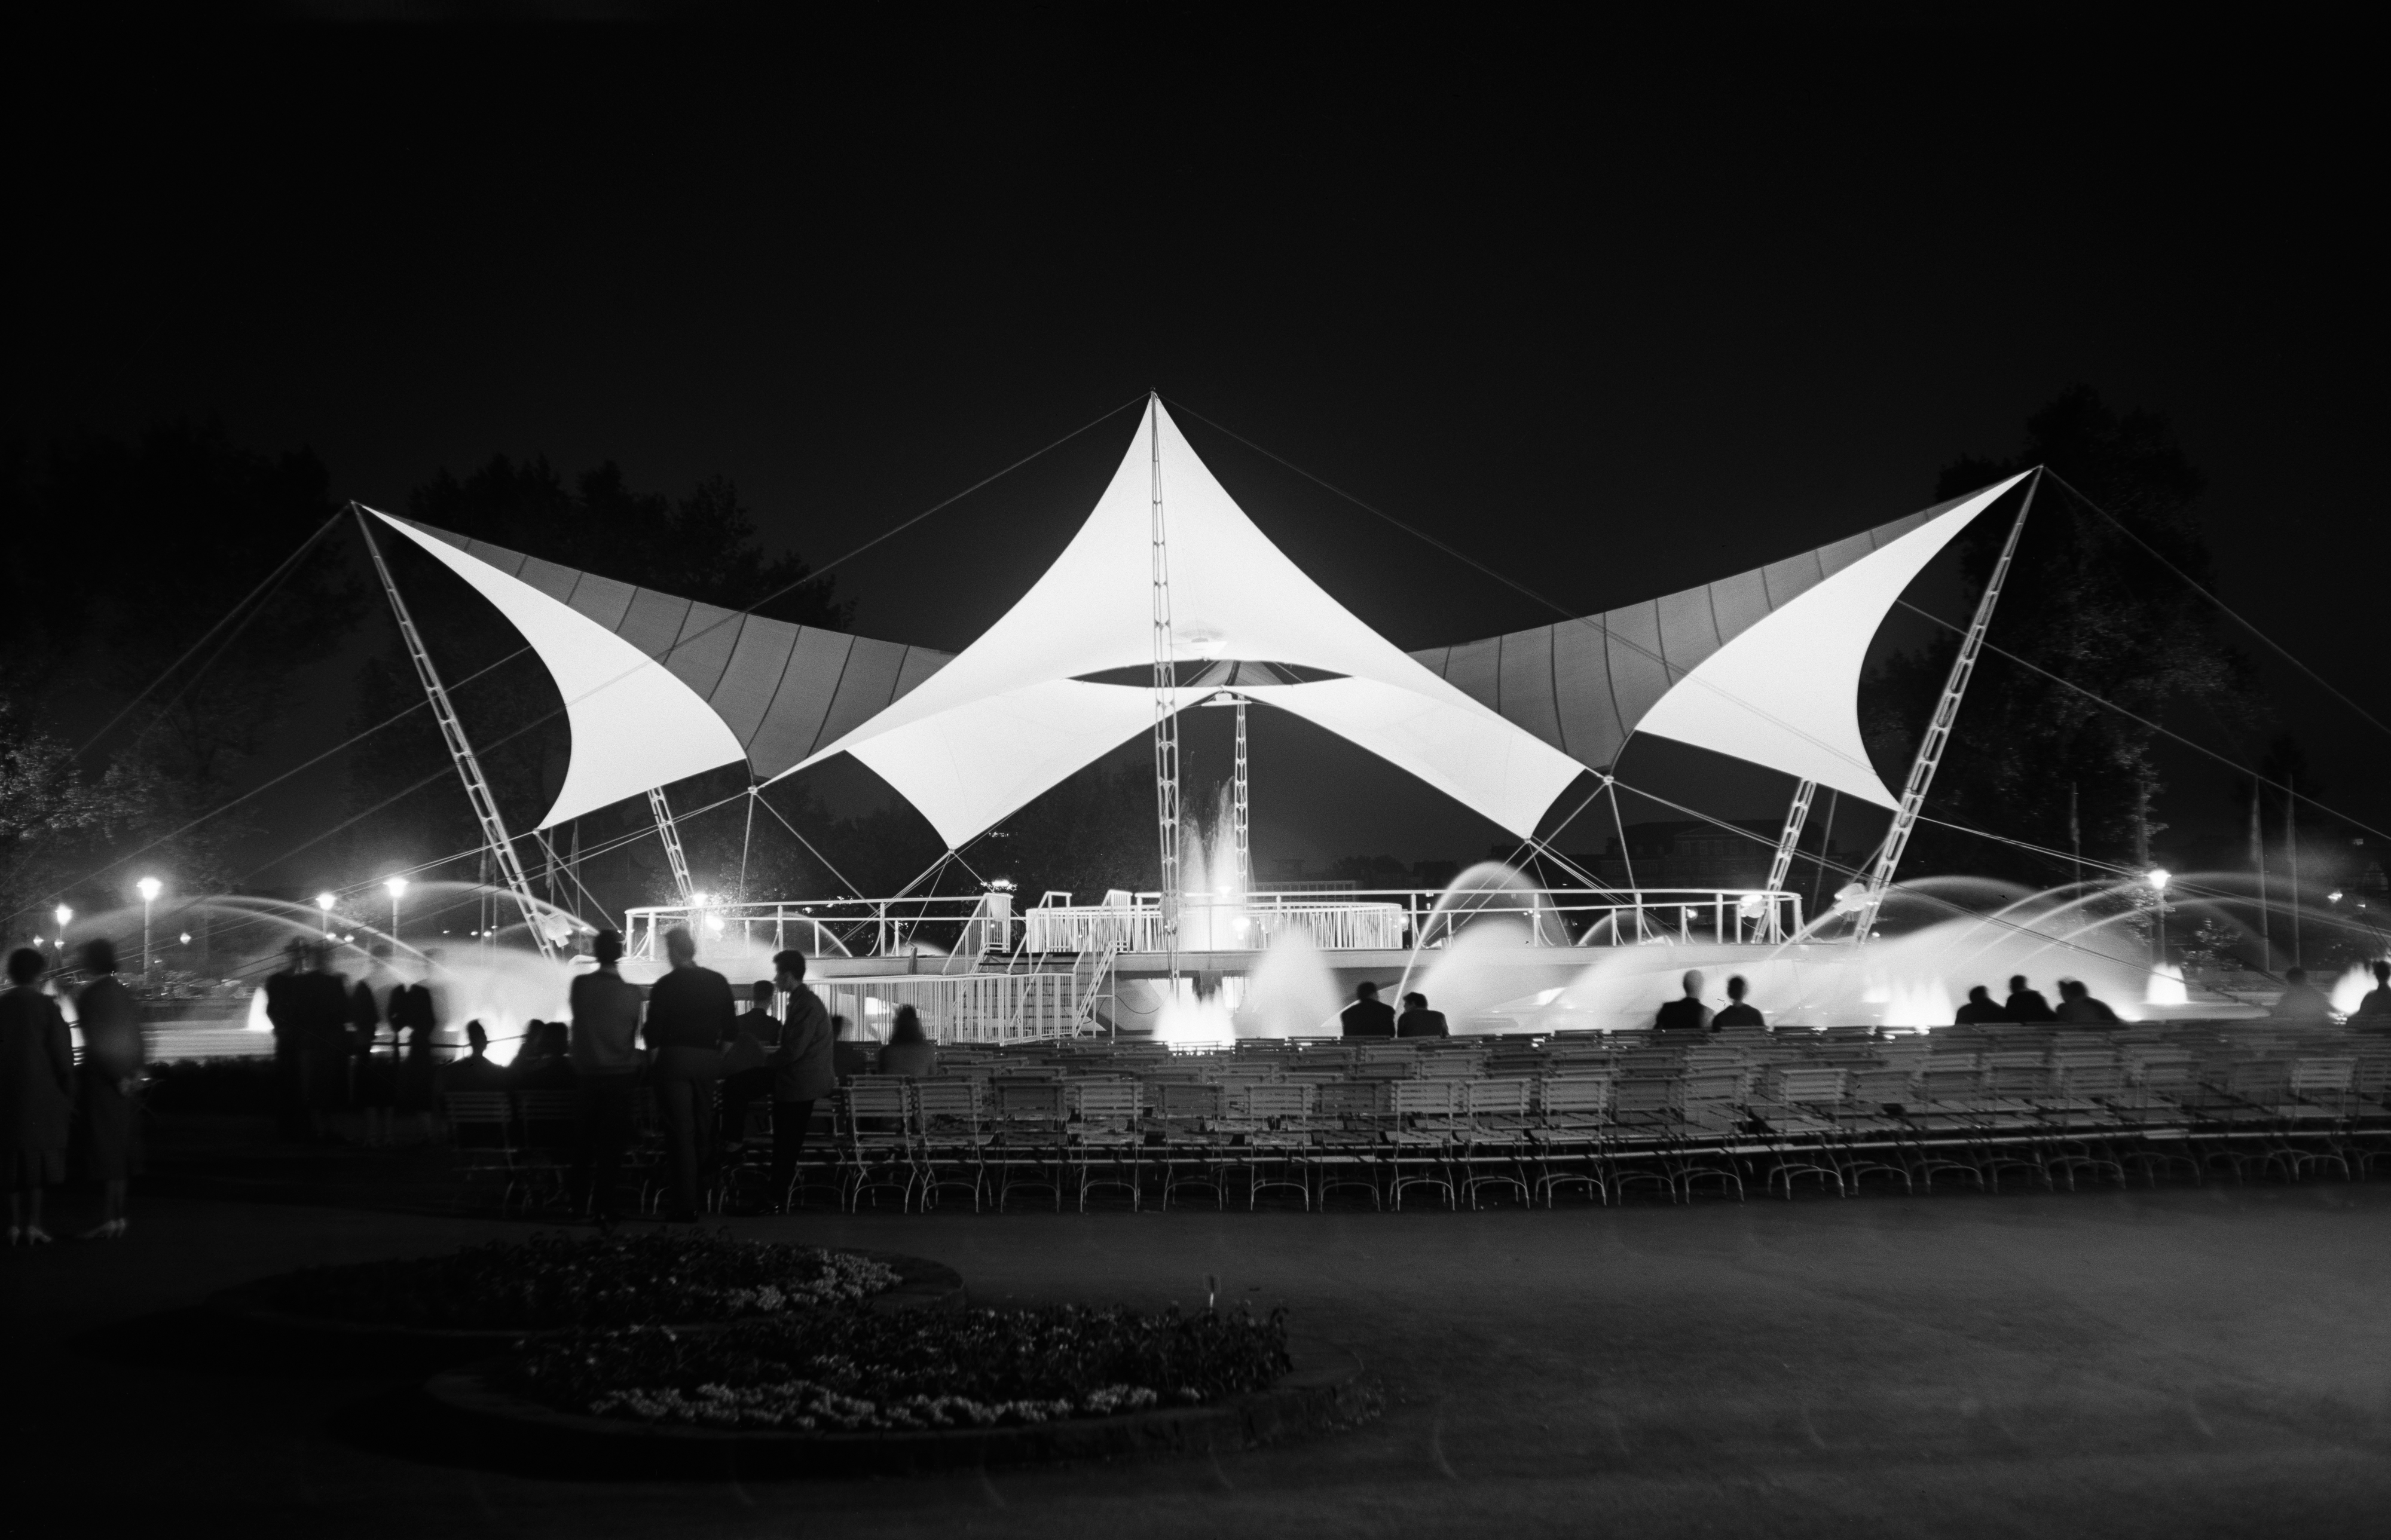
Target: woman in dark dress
x,y
37,1096
110,1075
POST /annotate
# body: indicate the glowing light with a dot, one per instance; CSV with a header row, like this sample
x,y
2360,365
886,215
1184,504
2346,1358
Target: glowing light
x,y
64,915
185,938
324,902
149,887
395,887
2159,879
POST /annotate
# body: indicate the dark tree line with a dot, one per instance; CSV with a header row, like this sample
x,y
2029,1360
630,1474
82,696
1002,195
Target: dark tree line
x,y
2088,604
140,547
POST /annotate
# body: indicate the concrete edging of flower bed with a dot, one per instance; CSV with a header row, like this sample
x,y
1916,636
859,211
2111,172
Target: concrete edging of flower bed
x,y
1307,1402
922,1285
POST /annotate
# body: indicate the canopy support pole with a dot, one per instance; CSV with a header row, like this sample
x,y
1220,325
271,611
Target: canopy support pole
x,y
669,833
1239,807
1165,714
1938,731
497,842
1795,817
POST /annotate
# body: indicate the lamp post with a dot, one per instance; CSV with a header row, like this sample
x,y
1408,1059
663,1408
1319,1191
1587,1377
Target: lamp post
x,y
64,915
2159,879
148,886
324,902
396,886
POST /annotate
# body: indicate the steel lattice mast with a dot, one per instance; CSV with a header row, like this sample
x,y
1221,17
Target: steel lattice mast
x,y
1938,732
1795,817
1165,714
1240,824
500,844
669,833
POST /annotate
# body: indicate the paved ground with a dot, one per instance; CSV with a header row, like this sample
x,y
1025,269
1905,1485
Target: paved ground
x,y
2182,1363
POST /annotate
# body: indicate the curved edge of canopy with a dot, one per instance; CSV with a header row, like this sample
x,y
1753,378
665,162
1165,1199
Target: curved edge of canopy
x,y
1785,693
606,682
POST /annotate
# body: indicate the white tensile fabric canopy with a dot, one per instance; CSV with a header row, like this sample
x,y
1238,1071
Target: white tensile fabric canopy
x,y
1763,666
1011,714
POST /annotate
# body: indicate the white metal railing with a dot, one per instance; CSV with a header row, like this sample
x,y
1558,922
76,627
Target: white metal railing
x,y
965,925
964,930
968,1008
1395,917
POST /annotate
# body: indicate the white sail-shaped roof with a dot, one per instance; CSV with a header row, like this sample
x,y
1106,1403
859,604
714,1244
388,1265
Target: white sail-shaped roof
x,y
1764,666
966,762
1785,693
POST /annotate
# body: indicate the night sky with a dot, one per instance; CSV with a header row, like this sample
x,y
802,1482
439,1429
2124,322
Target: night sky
x,y
1613,314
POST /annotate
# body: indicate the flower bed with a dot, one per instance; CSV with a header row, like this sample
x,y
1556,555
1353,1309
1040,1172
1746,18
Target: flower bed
x,y
854,1372
554,1282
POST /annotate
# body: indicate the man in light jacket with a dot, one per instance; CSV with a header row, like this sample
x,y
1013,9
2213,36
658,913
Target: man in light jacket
x,y
801,1070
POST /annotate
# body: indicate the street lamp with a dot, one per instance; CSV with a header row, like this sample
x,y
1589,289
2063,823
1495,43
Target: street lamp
x,y
64,915
396,886
324,902
148,886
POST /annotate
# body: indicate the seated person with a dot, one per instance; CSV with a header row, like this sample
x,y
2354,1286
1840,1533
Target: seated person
x,y
2027,1005
474,1071
2375,1010
2302,1001
2077,1008
1737,1014
747,1077
909,1051
1417,1020
1688,1014
1368,1016
849,1057
541,1063
1979,1009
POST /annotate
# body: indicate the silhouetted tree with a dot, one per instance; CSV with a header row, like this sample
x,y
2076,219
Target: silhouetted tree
x,y
2088,604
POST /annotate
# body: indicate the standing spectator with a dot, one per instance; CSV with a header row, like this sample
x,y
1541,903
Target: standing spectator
x,y
1687,1013
746,1064
111,1074
2302,1001
367,1088
803,1070
37,1096
909,1051
605,1051
289,1095
2077,1008
691,1015
1417,1020
1368,1016
2025,1004
1737,1014
416,1076
320,1008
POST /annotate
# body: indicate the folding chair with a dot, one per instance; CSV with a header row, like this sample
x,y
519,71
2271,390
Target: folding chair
x,y
1105,1137
1189,1115
551,1133
1027,1143
949,1148
1573,1111
1495,1136
482,1140
1348,1120
875,1114
1420,1146
1278,1141
1802,1126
